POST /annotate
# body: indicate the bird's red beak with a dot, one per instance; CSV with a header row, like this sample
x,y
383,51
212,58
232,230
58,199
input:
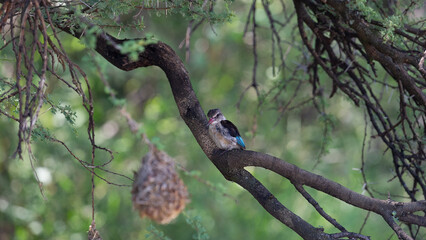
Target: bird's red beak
x,y
210,121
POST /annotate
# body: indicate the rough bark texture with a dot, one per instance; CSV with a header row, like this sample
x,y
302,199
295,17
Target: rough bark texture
x,y
163,56
231,164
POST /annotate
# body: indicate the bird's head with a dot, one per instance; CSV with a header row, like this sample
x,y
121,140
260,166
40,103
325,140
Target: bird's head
x,y
215,115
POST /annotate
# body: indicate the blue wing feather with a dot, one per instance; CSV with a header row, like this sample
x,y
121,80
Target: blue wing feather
x,y
233,132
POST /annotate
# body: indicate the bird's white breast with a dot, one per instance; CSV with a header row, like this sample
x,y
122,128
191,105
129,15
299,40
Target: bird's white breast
x,y
219,136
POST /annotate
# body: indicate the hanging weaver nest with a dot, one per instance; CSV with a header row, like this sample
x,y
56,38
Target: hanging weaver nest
x,y
93,234
158,193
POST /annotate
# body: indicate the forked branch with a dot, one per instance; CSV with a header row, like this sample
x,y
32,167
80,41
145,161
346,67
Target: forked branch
x,y
231,164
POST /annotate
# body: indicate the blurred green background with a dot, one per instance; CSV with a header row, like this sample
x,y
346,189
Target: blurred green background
x,y
220,68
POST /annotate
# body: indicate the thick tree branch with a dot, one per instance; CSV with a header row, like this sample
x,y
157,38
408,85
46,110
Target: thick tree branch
x,y
274,207
231,163
346,27
299,176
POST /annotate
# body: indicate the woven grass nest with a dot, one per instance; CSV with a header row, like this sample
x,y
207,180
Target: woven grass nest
x,y
158,192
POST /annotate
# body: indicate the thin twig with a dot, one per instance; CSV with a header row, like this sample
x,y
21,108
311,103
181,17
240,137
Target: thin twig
x,y
317,207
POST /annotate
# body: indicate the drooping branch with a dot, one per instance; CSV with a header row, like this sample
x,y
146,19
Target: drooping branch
x,y
392,59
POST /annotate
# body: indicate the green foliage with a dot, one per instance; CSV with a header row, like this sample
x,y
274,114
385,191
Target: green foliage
x,y
327,121
89,37
119,102
4,83
155,233
157,142
8,105
220,69
198,9
394,217
67,111
108,13
114,9
40,133
196,224
109,91
193,173
366,10
134,47
391,24
193,221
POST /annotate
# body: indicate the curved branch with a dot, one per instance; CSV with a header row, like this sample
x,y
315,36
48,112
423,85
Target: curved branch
x,y
274,207
241,159
231,163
